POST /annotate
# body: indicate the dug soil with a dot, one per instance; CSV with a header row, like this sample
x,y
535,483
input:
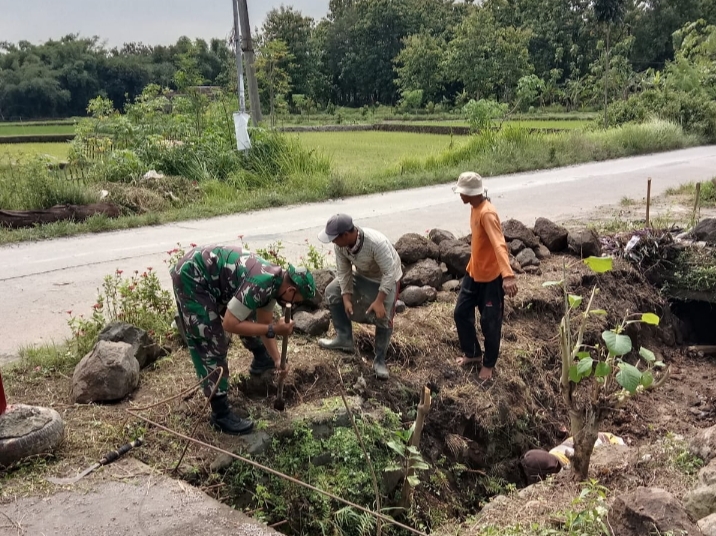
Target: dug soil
x,y
473,435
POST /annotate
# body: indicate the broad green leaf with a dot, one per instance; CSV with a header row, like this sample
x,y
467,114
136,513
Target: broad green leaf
x,y
413,481
648,355
584,367
574,374
551,283
629,377
420,466
659,364
574,301
618,345
602,370
393,468
600,312
650,318
399,448
413,450
582,355
647,379
599,264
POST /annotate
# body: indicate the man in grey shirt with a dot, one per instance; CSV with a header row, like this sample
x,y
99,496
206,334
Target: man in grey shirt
x,y
366,295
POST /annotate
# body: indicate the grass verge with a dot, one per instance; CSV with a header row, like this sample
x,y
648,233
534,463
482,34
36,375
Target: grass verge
x,y
508,151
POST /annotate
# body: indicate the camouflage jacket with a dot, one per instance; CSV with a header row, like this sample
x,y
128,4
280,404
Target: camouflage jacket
x,y
236,278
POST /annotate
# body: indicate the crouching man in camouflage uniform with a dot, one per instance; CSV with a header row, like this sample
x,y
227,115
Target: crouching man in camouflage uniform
x,y
209,280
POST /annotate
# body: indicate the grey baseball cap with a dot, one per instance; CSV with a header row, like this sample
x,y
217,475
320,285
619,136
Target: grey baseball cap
x,y
337,225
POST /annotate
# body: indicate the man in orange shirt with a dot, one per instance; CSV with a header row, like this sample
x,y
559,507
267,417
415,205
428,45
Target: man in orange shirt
x,y
489,277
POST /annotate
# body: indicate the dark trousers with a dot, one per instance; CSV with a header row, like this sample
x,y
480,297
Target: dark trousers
x,y
489,299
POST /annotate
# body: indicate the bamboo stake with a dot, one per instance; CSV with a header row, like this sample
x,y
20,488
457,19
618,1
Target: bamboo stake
x,y
648,202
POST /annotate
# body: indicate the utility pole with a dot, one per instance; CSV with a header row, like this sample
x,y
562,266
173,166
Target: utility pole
x,y
248,50
239,58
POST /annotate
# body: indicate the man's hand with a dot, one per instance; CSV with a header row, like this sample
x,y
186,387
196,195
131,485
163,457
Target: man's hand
x,y
280,373
283,328
510,286
378,308
348,304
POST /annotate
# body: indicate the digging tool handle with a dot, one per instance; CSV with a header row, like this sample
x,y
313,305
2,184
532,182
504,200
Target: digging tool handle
x,y
121,451
284,343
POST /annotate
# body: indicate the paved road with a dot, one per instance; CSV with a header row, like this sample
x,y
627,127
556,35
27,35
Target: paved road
x,y
40,281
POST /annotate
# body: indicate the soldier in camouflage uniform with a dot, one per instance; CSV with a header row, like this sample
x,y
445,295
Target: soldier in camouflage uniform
x,y
214,281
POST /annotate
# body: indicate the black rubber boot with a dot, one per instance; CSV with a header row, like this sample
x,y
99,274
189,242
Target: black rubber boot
x,y
225,420
262,361
344,330
382,340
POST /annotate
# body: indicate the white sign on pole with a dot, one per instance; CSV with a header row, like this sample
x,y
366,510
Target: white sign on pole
x,y
241,123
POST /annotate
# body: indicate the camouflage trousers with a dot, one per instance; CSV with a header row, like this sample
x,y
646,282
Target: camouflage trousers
x,y
201,316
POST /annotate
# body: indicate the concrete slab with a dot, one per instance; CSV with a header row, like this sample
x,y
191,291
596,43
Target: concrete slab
x,y
126,498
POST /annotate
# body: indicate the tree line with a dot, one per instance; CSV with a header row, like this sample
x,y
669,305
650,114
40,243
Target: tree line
x,y
414,53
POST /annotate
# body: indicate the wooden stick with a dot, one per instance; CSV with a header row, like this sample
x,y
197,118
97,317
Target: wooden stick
x,y
696,202
423,407
648,201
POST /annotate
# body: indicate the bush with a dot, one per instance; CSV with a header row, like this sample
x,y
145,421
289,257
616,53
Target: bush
x,y
694,112
480,114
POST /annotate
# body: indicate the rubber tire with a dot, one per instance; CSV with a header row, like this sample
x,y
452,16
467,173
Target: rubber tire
x,y
39,441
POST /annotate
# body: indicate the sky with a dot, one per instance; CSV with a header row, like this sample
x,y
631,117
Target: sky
x,y
151,22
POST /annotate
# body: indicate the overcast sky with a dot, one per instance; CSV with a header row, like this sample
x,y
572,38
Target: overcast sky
x,y
149,21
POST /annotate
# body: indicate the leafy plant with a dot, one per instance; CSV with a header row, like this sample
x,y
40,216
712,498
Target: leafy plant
x,y
481,114
597,379
409,456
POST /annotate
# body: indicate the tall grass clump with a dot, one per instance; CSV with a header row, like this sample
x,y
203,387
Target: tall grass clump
x,y
190,136
513,149
31,185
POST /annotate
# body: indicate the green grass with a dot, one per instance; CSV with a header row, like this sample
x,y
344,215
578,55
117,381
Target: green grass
x,y
28,129
707,194
369,153
564,124
371,162
58,151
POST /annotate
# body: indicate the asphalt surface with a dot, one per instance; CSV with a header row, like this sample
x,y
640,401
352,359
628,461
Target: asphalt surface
x,y
41,281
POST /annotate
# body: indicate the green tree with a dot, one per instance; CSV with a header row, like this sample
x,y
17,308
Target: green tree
x,y
419,65
608,13
274,80
486,58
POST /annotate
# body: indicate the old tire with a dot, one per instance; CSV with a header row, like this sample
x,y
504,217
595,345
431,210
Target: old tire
x,y
28,430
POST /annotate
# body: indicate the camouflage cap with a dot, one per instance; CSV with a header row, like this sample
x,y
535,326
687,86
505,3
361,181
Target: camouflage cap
x,y
303,279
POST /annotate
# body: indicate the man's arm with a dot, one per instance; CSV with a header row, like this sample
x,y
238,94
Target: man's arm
x,y
265,316
344,271
491,224
385,261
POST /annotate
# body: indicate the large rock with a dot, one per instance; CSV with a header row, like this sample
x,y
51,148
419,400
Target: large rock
x,y
542,252
414,296
701,502
704,444
585,243
527,257
312,323
145,350
108,373
707,474
323,278
708,525
516,230
413,247
648,510
430,292
451,286
28,431
455,254
706,231
516,246
438,235
553,236
423,273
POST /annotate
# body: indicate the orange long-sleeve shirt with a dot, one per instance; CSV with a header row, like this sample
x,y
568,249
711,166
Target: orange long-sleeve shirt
x,y
489,258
